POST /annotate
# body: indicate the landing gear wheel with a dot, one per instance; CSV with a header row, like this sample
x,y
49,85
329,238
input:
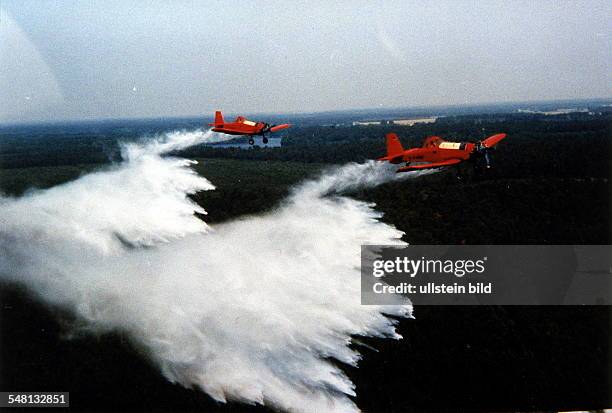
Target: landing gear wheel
x,y
265,140
251,141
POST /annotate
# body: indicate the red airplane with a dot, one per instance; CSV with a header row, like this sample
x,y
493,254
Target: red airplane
x,y
242,126
437,152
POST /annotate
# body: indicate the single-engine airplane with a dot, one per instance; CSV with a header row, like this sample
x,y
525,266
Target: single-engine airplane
x,y
243,126
436,152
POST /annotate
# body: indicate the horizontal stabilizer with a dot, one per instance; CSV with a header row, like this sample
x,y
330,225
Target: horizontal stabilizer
x,y
409,168
392,159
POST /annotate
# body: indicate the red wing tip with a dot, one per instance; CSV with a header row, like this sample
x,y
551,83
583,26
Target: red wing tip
x,y
280,127
493,140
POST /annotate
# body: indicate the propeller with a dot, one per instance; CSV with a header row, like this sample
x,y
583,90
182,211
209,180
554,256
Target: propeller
x,y
485,147
267,128
273,128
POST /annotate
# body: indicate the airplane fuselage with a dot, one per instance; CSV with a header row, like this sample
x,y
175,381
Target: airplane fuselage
x,y
244,127
441,153
241,128
436,152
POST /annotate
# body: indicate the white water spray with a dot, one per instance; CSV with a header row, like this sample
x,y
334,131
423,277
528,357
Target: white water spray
x,y
251,310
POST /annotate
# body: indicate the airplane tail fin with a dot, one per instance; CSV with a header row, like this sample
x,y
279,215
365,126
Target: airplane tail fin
x,y
395,149
218,119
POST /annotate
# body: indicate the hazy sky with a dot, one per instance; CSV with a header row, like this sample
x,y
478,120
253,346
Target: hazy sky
x,y
99,59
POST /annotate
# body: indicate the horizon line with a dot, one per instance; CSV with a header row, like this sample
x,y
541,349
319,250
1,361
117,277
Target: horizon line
x,y
299,113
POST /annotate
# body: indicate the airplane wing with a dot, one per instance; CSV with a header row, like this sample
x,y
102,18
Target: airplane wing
x,y
409,168
275,128
491,141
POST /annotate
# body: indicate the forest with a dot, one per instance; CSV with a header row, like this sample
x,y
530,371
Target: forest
x,y
549,185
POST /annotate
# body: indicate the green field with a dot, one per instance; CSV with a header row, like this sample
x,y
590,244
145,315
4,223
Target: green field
x,y
248,187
